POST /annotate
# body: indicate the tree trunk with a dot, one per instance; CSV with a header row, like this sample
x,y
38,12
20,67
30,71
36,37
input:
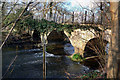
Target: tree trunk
x,y
73,17
112,66
3,12
101,11
93,18
51,4
118,57
85,16
63,18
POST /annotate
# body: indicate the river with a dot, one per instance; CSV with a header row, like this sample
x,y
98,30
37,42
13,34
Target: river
x,y
28,63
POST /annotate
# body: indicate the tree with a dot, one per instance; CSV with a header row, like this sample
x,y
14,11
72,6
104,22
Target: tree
x,y
21,24
112,67
14,24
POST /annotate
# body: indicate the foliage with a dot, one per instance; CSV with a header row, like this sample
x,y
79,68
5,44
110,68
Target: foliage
x,y
22,23
42,26
10,18
93,75
46,26
77,57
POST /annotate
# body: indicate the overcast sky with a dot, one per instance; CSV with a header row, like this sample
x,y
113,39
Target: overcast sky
x,y
76,5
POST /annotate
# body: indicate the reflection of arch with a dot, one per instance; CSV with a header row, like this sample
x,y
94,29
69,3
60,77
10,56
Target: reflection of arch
x,y
94,46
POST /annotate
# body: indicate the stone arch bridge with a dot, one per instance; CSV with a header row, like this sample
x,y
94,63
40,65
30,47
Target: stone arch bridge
x,y
79,38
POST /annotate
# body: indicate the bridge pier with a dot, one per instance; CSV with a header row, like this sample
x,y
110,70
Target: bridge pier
x,y
79,38
79,50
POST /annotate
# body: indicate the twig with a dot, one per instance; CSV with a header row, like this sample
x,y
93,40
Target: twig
x,y
10,65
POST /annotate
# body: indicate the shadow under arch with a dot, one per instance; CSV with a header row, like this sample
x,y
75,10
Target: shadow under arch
x,y
57,36
95,46
56,42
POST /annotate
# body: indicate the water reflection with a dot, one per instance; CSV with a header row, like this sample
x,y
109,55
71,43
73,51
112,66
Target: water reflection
x,y
29,63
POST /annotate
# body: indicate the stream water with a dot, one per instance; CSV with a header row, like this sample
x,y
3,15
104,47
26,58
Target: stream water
x,y
29,62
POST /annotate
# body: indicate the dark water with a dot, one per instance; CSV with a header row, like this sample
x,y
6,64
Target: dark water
x,y
29,62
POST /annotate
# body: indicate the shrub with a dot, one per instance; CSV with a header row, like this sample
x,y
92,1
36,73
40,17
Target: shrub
x,y
77,57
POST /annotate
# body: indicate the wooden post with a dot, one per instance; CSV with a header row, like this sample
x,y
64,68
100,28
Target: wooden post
x,y
44,56
44,63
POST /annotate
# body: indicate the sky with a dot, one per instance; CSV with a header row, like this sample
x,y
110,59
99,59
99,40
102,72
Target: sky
x,y
71,5
81,2
75,5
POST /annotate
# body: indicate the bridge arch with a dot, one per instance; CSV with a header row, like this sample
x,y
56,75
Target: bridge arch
x,y
78,38
94,47
57,36
56,42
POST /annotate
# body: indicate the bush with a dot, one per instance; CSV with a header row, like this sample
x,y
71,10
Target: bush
x,y
77,57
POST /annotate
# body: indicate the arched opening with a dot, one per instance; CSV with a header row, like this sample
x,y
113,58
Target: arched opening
x,y
58,43
36,36
57,36
95,47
